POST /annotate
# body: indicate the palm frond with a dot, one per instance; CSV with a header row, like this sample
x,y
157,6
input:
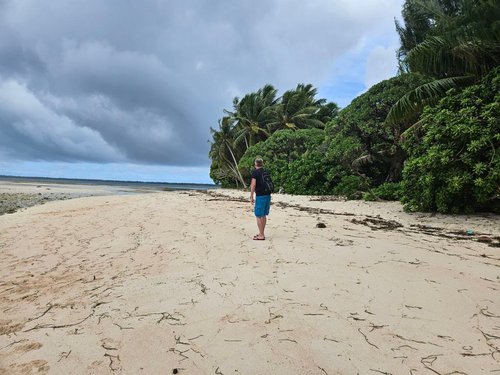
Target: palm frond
x,y
414,129
362,161
413,102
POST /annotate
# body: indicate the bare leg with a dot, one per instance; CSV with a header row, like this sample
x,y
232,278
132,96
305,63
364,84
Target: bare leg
x,y
261,225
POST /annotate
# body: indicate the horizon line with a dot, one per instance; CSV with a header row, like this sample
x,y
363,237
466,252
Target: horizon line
x,y
103,180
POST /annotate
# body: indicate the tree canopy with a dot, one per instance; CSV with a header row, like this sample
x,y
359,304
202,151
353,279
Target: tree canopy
x,y
429,136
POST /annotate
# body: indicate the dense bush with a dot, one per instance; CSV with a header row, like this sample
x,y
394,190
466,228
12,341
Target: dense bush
x,y
390,191
455,165
361,144
351,186
294,160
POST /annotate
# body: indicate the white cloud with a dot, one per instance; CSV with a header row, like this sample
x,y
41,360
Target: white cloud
x,y
145,80
380,65
40,128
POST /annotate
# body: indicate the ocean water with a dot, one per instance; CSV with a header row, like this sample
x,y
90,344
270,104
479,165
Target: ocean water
x,y
129,185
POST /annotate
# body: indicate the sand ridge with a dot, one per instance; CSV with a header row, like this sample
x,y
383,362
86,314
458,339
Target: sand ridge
x,y
156,282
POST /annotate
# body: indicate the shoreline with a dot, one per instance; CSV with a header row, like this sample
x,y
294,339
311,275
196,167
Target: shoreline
x,y
17,194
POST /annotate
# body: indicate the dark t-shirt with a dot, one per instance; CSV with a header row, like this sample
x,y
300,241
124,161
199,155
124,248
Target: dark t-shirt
x,y
259,184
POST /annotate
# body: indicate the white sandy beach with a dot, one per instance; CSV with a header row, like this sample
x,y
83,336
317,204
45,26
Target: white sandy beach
x,y
172,280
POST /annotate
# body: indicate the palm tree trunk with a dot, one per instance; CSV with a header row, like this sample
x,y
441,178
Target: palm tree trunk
x,y
236,167
396,162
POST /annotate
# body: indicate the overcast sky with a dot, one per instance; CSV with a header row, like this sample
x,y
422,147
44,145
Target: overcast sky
x,y
122,89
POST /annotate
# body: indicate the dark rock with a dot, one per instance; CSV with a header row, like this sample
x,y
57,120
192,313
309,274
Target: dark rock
x,y
321,225
484,239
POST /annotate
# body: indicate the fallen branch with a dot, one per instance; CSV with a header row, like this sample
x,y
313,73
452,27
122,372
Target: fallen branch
x,y
329,339
417,341
122,328
64,355
50,306
381,372
374,327
288,340
54,326
428,361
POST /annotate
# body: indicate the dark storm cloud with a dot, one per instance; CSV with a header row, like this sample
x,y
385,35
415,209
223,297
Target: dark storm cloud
x,y
130,81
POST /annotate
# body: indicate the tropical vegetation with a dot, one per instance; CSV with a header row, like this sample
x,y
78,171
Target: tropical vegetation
x,y
428,137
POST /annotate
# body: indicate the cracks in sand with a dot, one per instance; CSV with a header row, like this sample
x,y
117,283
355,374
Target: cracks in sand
x,y
484,311
114,362
178,341
49,307
163,316
272,316
13,343
416,341
488,337
366,339
381,372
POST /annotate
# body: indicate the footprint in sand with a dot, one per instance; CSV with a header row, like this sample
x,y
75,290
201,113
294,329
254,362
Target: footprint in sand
x,y
33,367
7,328
28,347
110,344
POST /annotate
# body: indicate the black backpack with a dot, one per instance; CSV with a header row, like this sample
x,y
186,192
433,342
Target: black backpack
x,y
267,182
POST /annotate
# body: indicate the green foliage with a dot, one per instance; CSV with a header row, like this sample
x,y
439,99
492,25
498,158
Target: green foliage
x,y
251,116
449,152
458,43
298,109
455,166
351,186
370,196
390,191
225,155
294,160
254,118
359,143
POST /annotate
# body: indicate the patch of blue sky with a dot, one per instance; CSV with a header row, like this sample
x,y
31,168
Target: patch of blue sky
x,y
371,61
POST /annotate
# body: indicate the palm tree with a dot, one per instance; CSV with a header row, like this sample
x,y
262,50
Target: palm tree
x,y
298,109
457,51
252,114
416,26
222,152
